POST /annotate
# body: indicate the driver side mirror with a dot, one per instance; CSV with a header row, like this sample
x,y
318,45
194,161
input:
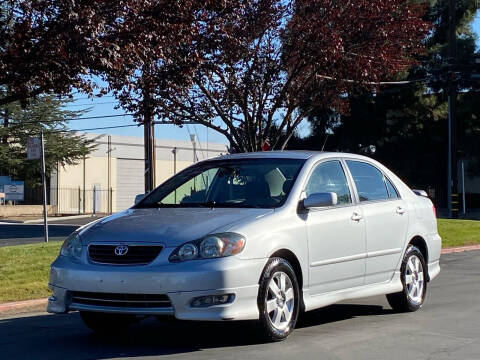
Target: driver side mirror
x,y
320,200
139,198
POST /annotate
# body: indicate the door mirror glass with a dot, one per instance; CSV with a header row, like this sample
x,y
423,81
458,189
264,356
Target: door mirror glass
x,y
139,198
320,200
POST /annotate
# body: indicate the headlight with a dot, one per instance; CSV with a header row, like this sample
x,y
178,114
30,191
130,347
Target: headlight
x,y
72,247
209,247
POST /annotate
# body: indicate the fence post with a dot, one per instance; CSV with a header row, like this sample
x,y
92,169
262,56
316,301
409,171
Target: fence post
x,y
79,199
94,199
111,200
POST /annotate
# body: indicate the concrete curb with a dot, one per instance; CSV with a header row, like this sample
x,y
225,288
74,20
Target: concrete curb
x,y
460,249
20,305
60,218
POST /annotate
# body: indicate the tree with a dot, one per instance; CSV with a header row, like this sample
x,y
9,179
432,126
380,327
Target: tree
x,y
47,114
404,122
53,46
260,69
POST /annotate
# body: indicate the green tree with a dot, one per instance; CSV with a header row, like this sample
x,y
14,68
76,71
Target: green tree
x,y
62,147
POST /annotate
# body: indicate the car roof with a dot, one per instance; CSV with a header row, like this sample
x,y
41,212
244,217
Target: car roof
x,y
287,154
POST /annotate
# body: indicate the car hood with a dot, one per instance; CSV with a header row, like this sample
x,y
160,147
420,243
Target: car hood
x,y
168,226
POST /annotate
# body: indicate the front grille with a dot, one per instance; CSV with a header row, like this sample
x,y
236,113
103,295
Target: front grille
x,y
143,301
136,254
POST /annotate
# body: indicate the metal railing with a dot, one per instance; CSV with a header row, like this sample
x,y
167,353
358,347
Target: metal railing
x,y
83,201
74,200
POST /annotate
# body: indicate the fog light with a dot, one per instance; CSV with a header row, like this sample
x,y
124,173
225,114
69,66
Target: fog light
x,y
211,300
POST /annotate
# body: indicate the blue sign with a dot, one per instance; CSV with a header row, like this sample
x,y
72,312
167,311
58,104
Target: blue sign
x,y
13,189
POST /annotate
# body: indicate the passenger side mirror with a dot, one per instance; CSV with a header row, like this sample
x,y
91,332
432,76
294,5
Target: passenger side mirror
x,y
139,198
320,200
420,192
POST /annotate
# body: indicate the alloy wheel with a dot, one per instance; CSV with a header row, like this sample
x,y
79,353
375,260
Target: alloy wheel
x,y
280,300
414,279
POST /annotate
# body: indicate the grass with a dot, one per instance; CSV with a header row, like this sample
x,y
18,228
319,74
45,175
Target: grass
x,y
459,232
24,269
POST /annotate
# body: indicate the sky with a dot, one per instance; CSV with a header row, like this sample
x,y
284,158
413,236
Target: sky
x,y
105,106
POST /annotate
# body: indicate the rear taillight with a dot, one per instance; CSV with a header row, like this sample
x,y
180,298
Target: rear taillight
x,y
434,211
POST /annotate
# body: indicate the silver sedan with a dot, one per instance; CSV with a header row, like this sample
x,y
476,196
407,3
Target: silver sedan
x,y
258,236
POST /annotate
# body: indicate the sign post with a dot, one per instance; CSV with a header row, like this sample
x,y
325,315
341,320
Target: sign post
x,y
44,181
36,150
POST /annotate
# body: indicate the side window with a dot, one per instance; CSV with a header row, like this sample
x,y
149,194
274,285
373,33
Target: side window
x,y
329,177
392,192
368,180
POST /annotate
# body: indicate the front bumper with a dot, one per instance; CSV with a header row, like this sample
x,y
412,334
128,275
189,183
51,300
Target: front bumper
x,y
181,283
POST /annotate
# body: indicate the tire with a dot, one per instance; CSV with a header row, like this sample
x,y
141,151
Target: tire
x,y
278,300
105,324
414,281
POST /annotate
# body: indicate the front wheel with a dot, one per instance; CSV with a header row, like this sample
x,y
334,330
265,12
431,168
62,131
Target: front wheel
x,y
413,275
278,300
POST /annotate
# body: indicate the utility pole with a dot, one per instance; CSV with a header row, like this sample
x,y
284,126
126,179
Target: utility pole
x,y
148,131
452,177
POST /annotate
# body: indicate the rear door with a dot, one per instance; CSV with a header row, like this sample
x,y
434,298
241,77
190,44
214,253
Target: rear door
x,y
386,220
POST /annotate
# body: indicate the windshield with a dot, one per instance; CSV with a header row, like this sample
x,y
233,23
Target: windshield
x,y
255,183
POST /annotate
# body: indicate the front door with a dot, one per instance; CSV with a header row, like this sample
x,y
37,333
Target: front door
x,y
336,234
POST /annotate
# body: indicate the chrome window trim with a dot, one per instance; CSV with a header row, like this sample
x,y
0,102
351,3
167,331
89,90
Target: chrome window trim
x,y
384,175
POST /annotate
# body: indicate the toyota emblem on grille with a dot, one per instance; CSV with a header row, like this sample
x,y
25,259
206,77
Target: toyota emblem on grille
x,y
121,250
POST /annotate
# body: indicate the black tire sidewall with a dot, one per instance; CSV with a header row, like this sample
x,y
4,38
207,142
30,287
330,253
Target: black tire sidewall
x,y
413,250
274,265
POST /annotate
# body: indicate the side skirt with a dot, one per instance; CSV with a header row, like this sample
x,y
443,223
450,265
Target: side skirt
x,y
318,301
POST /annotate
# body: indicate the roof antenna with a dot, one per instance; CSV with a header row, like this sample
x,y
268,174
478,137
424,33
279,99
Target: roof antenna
x,y
325,142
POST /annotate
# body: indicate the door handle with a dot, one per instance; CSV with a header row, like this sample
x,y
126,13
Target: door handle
x,y
356,217
401,210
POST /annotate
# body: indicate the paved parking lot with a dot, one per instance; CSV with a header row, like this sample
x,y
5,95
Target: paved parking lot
x,y
448,327
19,234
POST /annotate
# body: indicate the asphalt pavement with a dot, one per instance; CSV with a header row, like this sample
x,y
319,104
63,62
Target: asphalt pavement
x,y
447,327
20,234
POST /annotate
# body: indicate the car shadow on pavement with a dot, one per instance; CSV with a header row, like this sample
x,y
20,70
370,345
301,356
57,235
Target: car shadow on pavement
x,y
339,312
65,336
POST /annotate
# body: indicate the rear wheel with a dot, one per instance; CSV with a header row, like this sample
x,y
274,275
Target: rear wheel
x,y
413,275
104,323
278,300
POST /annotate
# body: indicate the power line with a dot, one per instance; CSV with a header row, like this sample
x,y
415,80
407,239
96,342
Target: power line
x,y
92,98
92,104
90,129
70,119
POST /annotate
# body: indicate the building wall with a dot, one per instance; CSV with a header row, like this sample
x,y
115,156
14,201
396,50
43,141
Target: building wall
x,y
164,169
95,170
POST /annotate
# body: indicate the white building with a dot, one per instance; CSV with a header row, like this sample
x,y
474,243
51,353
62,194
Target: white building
x,y
110,177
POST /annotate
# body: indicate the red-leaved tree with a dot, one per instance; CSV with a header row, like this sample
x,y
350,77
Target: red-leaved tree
x,y
56,45
253,70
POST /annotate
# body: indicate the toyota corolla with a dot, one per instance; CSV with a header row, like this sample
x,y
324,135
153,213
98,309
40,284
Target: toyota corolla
x,y
258,236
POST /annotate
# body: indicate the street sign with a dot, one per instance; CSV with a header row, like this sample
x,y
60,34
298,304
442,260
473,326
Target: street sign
x,y
14,192
34,148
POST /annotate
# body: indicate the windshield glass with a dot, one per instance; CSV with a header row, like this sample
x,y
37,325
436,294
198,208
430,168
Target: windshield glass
x,y
257,183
